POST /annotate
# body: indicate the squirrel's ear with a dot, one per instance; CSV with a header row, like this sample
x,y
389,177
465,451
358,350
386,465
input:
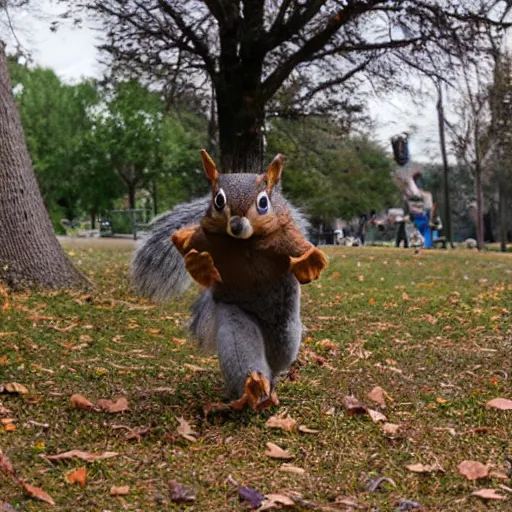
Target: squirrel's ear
x,y
210,169
274,170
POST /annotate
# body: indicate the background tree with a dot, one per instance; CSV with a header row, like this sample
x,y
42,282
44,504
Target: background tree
x,y
30,253
246,51
330,174
55,122
500,153
145,145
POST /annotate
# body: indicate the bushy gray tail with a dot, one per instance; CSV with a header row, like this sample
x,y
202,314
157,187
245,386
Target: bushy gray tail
x,y
158,269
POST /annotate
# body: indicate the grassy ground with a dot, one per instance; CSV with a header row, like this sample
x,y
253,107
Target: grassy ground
x,y
433,330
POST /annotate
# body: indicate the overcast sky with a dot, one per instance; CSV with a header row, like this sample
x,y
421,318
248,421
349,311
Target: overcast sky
x,y
72,54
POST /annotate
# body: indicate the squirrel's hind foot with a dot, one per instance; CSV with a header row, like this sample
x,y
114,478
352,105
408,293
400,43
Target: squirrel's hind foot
x,y
257,394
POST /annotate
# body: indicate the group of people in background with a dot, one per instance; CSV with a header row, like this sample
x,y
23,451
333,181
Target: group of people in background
x,y
417,223
419,207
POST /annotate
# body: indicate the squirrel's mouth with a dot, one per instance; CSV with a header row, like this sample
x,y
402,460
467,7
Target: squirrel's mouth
x,y
239,227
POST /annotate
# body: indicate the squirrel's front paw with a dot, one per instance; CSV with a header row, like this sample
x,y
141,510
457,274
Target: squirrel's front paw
x,y
181,238
201,267
307,268
257,394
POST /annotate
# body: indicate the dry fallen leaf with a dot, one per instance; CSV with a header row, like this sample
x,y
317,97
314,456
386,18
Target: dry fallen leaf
x,y
78,476
10,427
194,368
488,494
179,493
123,490
306,430
120,405
377,395
14,387
278,453
273,501
253,498
473,470
5,464
425,468
353,406
503,404
391,428
184,430
36,492
285,423
80,402
288,468
88,457
499,475
376,416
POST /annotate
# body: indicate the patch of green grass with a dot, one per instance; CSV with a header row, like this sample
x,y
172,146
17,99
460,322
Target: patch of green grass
x,y
434,330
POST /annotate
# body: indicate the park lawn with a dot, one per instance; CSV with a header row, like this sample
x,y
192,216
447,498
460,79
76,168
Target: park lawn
x,y
434,330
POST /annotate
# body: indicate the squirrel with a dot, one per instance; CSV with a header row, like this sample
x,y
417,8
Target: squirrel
x,y
244,245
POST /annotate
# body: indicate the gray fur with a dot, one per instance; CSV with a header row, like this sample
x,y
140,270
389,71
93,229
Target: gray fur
x,y
259,329
158,269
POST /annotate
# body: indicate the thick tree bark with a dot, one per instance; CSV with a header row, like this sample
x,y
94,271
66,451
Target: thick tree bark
x,y
30,254
240,133
238,89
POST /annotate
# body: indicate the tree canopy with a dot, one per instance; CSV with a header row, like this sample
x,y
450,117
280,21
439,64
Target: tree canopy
x,y
239,54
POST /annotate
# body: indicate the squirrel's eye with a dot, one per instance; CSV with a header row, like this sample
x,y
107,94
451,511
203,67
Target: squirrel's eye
x,y
220,200
262,203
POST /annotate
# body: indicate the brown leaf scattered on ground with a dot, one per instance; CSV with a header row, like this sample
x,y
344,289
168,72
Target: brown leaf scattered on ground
x,y
78,476
180,493
5,464
376,416
185,431
306,430
377,395
122,490
194,368
79,454
353,405
289,468
473,470
503,404
14,387
276,452
36,492
80,402
121,405
286,423
488,494
425,468
391,428
273,501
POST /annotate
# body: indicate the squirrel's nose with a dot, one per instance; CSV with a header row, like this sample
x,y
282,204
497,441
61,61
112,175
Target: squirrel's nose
x,y
236,224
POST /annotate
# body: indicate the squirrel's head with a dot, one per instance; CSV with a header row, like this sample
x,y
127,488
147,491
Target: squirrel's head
x,y
243,205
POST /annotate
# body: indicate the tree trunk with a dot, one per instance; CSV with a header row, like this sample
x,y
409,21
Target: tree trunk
x,y
503,217
30,254
447,221
131,195
479,206
240,107
240,132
